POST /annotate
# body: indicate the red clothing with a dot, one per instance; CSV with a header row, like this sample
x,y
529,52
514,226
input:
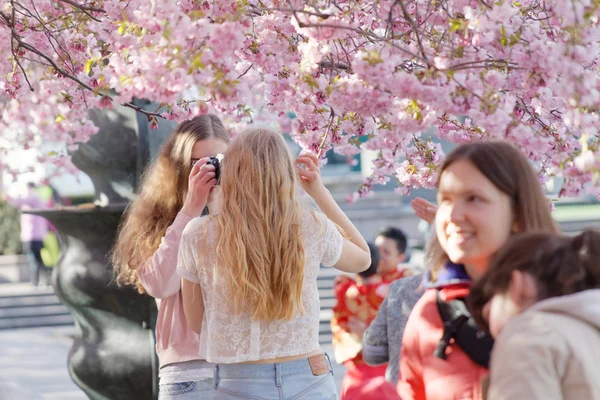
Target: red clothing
x,y
423,375
358,299
373,389
358,378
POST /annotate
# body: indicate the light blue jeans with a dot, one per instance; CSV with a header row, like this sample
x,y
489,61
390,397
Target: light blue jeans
x,y
203,389
291,380
200,389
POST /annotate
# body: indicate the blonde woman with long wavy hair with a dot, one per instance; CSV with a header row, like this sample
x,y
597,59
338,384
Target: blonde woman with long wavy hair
x,y
250,273
174,189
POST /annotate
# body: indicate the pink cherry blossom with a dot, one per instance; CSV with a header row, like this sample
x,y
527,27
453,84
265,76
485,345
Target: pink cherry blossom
x,y
367,75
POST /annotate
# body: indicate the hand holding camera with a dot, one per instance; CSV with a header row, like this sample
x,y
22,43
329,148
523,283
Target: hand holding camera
x,y
200,182
216,162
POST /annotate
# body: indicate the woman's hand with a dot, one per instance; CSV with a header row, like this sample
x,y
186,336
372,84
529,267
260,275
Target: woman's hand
x,y
200,182
424,209
310,175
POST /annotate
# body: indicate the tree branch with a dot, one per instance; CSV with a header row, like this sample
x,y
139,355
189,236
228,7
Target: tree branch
x,y
246,71
335,65
415,29
65,74
12,47
83,7
324,138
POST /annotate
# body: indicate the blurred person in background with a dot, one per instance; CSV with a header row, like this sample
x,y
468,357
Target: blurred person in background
x,y
33,231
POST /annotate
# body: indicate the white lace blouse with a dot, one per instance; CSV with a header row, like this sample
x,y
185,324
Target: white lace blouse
x,y
227,337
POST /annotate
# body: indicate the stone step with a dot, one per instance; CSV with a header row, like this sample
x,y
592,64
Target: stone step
x,y
326,338
22,305
325,284
26,306
31,301
36,321
23,289
41,311
327,304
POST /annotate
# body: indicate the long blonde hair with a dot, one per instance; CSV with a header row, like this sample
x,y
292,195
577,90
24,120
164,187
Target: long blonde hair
x,y
259,228
163,190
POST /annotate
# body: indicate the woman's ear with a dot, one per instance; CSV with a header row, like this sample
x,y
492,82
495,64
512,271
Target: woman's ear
x,y
515,288
516,227
522,289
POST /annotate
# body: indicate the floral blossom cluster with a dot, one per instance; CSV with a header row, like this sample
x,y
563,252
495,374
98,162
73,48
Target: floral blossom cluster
x,y
373,75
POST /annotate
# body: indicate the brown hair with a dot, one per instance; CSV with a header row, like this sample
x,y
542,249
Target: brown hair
x,y
163,190
560,265
259,239
507,169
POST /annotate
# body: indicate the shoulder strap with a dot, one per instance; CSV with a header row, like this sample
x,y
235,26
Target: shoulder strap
x,y
460,326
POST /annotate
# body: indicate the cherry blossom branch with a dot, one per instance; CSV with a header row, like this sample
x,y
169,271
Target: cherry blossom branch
x,y
262,10
415,28
486,64
246,71
51,37
523,107
12,49
370,35
361,32
322,144
82,84
335,65
83,7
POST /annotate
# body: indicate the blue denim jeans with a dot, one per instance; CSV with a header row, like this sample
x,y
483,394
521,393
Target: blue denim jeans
x,y
292,380
200,390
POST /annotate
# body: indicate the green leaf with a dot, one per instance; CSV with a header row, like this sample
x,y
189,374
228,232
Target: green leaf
x,y
459,52
310,81
373,58
88,67
456,24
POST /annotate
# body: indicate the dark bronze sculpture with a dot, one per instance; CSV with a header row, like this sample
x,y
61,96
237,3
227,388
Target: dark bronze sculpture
x,y
113,353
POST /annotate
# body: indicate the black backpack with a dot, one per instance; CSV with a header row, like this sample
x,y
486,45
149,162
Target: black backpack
x,y
460,326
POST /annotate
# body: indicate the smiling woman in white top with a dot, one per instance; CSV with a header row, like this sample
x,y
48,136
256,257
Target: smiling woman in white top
x,y
250,273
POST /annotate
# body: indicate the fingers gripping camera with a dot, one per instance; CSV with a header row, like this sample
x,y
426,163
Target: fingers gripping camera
x,y
216,162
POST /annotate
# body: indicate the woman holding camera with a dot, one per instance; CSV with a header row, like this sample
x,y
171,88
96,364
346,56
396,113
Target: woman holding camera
x,y
174,190
250,273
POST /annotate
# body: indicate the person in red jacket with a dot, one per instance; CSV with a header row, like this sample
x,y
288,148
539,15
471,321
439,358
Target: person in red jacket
x,y
487,191
358,300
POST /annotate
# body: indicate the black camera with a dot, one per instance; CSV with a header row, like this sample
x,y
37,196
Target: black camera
x,y
216,162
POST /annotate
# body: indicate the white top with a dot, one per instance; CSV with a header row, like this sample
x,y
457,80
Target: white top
x,y
227,337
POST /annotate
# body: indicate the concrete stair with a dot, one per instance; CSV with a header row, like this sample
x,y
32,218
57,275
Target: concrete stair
x,y
327,296
25,306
